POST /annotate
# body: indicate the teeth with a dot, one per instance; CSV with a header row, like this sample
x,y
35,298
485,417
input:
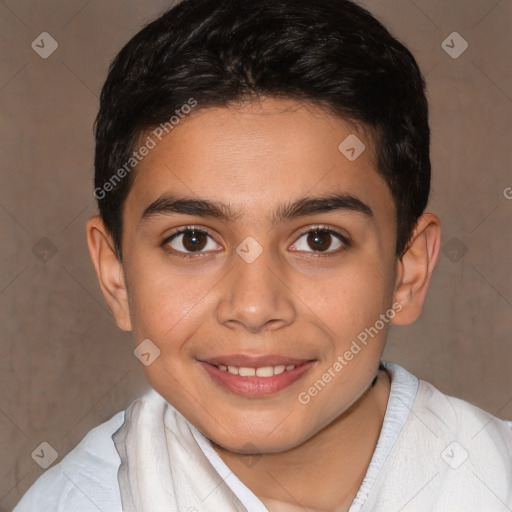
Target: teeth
x,y
262,371
265,371
246,372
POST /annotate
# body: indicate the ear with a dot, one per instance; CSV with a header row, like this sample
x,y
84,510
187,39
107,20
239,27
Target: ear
x,y
415,269
109,270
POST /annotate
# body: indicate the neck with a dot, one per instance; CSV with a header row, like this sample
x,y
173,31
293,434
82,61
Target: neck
x,y
337,459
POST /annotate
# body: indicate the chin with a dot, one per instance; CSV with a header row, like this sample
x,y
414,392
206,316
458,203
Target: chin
x,y
253,441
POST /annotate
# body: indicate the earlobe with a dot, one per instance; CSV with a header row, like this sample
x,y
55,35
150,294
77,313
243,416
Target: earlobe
x,y
415,269
109,270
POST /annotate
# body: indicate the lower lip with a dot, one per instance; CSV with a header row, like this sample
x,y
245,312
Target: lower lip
x,y
256,386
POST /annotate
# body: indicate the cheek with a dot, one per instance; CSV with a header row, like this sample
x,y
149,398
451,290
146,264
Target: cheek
x,y
350,298
163,302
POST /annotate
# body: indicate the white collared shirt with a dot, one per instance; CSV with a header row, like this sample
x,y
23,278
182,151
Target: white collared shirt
x,y
433,452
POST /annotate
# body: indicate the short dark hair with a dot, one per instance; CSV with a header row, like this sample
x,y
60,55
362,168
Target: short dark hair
x,y
332,53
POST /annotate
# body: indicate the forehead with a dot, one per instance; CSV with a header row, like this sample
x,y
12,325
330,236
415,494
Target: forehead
x,y
257,153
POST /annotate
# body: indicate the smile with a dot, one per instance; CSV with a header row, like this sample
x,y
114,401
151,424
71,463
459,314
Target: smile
x,y
262,371
255,380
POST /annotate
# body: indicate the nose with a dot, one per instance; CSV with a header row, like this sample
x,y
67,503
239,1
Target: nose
x,y
255,296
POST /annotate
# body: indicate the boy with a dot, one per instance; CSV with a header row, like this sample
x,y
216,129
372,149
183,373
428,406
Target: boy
x,y
262,172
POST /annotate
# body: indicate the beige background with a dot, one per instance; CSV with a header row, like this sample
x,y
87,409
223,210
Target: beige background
x,y
65,367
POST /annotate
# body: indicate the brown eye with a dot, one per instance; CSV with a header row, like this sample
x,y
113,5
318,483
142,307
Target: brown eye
x,y
320,240
191,240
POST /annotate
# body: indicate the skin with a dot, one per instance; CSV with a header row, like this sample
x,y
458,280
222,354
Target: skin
x,y
293,300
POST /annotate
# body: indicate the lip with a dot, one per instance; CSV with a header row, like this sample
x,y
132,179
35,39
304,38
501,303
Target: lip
x,y
256,386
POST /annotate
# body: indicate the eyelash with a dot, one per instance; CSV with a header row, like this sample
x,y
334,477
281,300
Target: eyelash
x,y
317,254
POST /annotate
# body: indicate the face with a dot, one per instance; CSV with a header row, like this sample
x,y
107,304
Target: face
x,y
254,255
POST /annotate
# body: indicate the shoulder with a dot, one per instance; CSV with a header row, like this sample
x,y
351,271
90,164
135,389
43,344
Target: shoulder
x,y
448,454
445,416
85,479
458,418
468,450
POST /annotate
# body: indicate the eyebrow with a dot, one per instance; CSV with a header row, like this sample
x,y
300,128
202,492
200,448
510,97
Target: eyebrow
x,y
169,204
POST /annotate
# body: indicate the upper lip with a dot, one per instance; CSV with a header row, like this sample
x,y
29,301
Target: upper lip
x,y
254,361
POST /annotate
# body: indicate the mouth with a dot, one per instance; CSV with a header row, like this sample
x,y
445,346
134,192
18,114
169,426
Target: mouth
x,y
256,376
